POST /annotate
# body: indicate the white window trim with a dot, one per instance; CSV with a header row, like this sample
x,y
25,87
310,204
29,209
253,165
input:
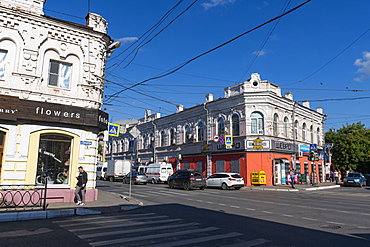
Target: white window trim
x,y
64,75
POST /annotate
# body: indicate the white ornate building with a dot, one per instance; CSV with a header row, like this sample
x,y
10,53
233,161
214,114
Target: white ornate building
x,y
270,133
51,90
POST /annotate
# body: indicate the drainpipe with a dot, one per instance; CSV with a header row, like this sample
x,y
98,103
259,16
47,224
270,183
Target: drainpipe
x,y
209,156
155,128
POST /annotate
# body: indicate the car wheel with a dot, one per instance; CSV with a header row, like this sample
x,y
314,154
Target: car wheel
x,y
186,186
224,186
170,184
153,181
144,183
111,179
202,188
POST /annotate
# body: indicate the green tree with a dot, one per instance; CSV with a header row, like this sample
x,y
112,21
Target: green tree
x,y
351,148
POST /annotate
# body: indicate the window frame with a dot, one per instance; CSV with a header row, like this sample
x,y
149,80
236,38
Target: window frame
x,y
235,124
257,123
58,75
3,64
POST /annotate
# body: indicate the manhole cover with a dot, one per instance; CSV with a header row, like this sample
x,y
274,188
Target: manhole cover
x,y
329,226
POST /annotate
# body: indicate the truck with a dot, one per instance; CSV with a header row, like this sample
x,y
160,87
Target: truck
x,y
117,169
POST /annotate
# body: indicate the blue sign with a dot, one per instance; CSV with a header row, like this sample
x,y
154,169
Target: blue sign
x,y
113,129
228,140
222,139
86,143
313,147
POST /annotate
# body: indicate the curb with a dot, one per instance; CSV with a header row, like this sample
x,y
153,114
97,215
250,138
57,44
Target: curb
x,y
324,187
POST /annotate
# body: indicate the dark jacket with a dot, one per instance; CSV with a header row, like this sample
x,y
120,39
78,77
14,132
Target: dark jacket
x,y
82,178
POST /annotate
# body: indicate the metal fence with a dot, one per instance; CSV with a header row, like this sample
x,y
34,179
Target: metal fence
x,y
23,196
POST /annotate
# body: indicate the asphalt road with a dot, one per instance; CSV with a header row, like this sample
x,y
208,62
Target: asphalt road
x,y
210,217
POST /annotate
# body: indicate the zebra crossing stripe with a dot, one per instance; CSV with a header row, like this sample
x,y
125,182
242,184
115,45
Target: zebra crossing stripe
x,y
162,235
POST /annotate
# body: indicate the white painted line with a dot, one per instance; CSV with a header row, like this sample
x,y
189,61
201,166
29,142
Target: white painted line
x,y
267,212
123,225
250,209
103,217
199,201
102,234
287,215
250,243
336,223
234,206
221,204
198,240
363,227
210,202
304,218
162,235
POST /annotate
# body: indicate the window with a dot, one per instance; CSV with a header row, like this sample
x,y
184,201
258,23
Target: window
x,y
304,132
257,123
200,166
311,134
318,137
220,165
188,135
162,139
235,125
2,64
235,166
275,125
186,164
53,159
221,127
286,127
172,137
295,134
59,75
200,132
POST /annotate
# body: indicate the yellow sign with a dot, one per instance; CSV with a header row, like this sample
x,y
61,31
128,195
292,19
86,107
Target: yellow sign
x,y
113,129
257,143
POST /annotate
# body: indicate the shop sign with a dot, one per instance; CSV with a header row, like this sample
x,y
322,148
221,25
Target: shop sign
x,y
285,147
305,149
257,144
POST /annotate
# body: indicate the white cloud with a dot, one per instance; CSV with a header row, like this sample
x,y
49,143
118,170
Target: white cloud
x,y
125,40
364,64
260,53
214,3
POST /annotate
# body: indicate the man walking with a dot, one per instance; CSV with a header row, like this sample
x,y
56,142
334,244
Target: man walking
x,y
292,177
81,186
336,176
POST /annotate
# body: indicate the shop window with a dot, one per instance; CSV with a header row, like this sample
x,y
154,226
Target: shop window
x,y
235,125
257,125
59,74
53,159
186,164
298,167
235,166
220,165
2,64
305,168
200,166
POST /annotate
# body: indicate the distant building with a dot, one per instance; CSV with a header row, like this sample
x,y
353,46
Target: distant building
x,y
51,91
270,133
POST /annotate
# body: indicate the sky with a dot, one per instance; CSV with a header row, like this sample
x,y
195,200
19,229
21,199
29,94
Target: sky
x,y
320,52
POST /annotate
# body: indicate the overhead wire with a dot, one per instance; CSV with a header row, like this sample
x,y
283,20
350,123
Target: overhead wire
x,y
209,51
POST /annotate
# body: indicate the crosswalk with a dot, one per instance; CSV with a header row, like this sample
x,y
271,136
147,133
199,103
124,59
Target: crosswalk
x,y
150,229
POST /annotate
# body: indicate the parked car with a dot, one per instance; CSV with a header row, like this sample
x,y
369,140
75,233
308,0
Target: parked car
x,y
225,180
354,179
367,176
136,178
187,179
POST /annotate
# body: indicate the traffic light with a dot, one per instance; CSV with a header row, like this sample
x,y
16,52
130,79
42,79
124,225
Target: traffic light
x,y
311,157
316,156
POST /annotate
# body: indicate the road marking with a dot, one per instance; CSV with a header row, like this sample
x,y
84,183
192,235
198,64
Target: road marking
x,y
210,202
304,218
267,212
363,227
234,206
221,204
287,215
336,223
250,243
22,233
198,240
102,234
199,201
162,235
250,209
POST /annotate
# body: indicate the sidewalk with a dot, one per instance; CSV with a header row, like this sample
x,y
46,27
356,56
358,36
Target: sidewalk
x,y
298,187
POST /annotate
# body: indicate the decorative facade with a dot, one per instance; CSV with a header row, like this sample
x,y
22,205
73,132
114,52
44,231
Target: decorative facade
x,y
270,133
51,91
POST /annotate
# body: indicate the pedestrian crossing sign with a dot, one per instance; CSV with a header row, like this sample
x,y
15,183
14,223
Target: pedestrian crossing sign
x,y
228,140
113,129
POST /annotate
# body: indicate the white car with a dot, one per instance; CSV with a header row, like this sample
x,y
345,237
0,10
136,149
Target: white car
x,y
225,180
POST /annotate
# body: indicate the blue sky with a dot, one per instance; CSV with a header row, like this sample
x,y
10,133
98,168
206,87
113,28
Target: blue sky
x,y
319,52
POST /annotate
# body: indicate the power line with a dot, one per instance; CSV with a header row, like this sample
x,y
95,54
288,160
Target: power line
x,y
211,50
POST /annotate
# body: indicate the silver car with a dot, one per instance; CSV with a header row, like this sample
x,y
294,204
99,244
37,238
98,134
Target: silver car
x,y
136,178
225,180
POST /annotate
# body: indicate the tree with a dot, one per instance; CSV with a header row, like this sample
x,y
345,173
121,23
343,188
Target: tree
x,y
351,148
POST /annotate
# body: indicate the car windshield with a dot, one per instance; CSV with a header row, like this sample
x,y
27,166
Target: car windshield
x,y
236,176
353,175
196,174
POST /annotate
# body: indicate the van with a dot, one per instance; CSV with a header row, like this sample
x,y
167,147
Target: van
x,y
101,168
158,172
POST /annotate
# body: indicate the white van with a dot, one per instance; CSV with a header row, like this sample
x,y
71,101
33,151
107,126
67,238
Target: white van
x,y
101,168
158,172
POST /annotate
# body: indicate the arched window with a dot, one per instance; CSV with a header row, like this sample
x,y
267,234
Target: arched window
x,y
295,134
172,137
286,127
221,127
162,144
257,125
200,131
318,137
311,134
2,63
188,135
304,132
151,140
275,125
235,125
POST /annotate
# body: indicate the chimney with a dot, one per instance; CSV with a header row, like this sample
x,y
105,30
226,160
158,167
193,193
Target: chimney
x,y
97,22
180,108
35,7
306,103
320,110
289,95
209,97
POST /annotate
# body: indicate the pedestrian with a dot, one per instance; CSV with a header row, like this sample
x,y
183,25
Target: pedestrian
x,y
331,176
292,176
81,186
336,176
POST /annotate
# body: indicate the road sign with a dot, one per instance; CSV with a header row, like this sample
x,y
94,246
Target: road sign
x,y
313,147
228,140
222,139
216,138
87,143
113,129
135,132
